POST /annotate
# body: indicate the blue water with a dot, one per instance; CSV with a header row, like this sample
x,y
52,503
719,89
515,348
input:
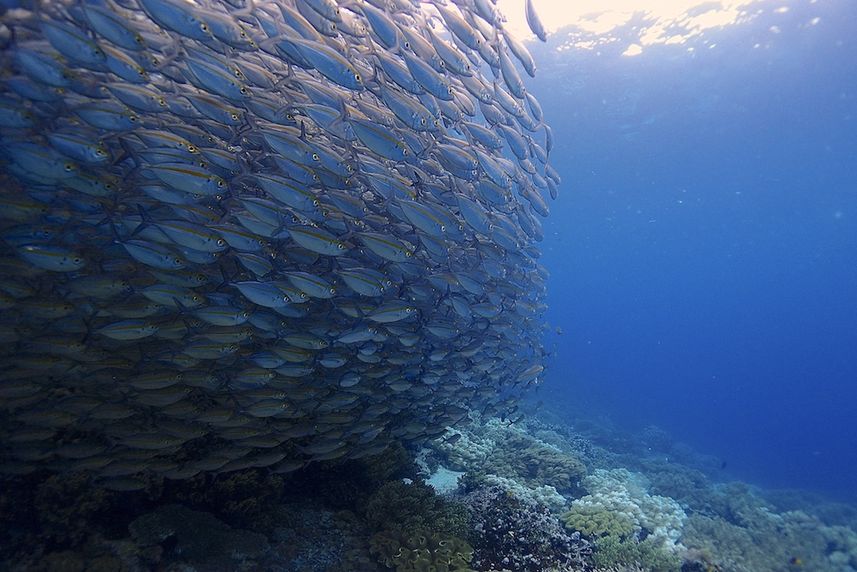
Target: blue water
x,y
703,252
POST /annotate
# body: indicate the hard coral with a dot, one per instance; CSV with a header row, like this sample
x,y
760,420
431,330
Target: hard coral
x,y
409,506
198,539
594,522
513,531
243,498
67,507
649,554
421,550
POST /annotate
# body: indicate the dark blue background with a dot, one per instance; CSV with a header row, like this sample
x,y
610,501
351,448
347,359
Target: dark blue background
x,y
703,251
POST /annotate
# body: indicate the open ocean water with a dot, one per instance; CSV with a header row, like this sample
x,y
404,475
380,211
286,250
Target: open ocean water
x,y
438,286
702,257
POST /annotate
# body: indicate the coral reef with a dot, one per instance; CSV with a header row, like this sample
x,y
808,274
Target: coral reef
x,y
199,539
244,499
628,525
752,537
417,530
649,554
625,493
311,539
420,550
502,515
595,522
411,506
515,532
500,453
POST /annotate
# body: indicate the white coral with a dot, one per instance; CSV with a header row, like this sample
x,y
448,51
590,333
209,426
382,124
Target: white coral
x,y
621,491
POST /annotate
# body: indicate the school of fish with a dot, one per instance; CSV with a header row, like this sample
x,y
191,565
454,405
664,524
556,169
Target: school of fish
x,y
246,233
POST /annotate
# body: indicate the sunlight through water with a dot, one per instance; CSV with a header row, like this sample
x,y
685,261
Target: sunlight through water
x,y
639,25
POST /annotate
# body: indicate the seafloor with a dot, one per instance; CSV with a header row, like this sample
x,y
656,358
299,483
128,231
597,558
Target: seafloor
x,y
533,496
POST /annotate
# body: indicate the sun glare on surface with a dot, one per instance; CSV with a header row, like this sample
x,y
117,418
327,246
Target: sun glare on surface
x,y
664,21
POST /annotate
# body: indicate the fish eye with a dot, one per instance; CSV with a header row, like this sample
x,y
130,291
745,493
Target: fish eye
x,y
332,290
234,117
243,91
177,260
315,202
76,260
408,253
422,120
405,152
192,149
68,167
315,157
449,89
101,152
340,246
442,228
132,119
357,78
203,26
162,102
138,38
